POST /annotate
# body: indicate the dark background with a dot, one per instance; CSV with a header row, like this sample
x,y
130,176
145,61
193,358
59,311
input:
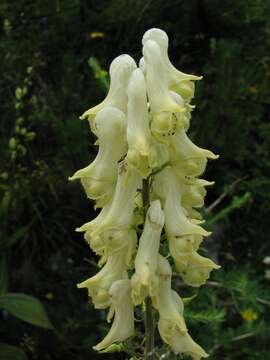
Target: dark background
x,y
46,83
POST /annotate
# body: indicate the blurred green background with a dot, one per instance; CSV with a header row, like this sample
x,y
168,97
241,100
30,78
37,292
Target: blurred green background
x,y
46,82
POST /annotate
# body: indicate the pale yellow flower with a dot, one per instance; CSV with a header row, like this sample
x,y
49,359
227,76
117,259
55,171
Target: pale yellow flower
x,y
193,268
122,308
170,190
120,71
99,178
171,324
162,105
99,285
114,226
138,130
115,269
145,279
178,81
188,157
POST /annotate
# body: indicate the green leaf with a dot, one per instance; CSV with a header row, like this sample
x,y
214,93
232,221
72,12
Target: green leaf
x,y
9,352
3,274
216,315
17,235
237,203
113,348
99,73
188,300
26,308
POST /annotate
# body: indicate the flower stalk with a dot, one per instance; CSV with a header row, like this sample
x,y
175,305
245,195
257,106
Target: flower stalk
x,y
149,318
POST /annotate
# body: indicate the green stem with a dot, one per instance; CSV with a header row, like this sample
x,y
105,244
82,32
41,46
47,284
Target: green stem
x,y
149,330
149,319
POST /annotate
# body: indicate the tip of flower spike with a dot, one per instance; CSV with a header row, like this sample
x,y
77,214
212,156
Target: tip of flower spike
x,y
123,62
157,35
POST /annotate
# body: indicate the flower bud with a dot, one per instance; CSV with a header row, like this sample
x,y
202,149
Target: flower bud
x,y
120,71
145,280
99,178
122,307
138,131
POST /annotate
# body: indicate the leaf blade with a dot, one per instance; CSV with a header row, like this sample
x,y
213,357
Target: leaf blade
x,y
26,308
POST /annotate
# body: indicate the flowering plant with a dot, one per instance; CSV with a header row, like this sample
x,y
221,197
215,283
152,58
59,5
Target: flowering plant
x,y
146,177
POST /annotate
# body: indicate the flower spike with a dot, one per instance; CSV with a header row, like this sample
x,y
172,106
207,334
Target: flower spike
x,y
145,178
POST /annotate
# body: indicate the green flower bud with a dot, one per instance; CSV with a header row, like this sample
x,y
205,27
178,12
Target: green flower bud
x,y
12,144
18,93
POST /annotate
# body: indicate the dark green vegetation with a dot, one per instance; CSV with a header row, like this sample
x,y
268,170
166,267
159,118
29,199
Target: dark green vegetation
x,y
46,83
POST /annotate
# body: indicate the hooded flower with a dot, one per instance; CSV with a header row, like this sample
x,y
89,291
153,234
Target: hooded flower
x,y
183,118
188,157
99,178
114,228
99,285
193,268
178,81
195,192
122,308
171,324
145,279
169,189
184,234
138,131
162,105
120,71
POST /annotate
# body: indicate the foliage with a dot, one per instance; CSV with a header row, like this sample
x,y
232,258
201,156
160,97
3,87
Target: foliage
x,y
46,84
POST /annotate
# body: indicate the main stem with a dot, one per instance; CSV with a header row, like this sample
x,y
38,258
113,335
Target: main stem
x,y
149,320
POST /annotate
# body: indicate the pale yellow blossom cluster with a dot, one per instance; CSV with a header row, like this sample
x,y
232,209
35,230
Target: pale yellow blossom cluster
x,y
141,128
